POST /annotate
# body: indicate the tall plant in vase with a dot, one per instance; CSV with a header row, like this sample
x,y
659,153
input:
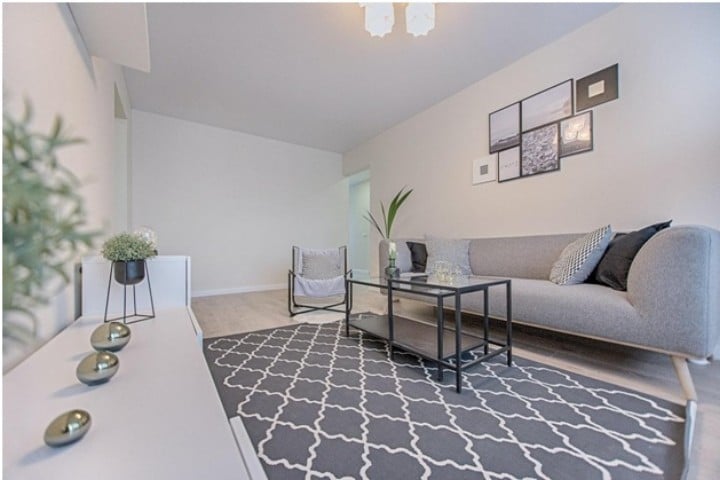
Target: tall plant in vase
x,y
388,217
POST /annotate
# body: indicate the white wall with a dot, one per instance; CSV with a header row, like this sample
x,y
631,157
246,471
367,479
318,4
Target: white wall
x,y
45,61
120,177
236,203
656,147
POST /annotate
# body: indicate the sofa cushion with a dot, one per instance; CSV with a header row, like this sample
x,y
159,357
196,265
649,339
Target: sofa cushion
x,y
521,257
579,259
585,309
448,250
615,264
418,255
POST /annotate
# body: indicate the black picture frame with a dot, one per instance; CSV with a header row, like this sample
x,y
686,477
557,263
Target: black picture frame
x,y
596,88
576,134
547,106
540,150
504,128
508,164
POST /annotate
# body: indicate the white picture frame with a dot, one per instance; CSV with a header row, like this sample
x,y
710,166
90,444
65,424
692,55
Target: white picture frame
x,y
484,169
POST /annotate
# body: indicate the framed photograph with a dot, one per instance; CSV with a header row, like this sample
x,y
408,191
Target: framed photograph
x,y
484,169
576,134
600,87
539,150
505,128
509,164
548,106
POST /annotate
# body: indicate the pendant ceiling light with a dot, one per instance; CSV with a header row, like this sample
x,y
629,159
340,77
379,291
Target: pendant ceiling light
x,y
380,18
419,18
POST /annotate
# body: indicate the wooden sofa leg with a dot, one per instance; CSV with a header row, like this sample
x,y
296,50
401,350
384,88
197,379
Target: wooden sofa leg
x,y
683,374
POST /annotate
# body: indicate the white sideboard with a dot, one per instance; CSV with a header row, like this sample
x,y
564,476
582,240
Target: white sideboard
x,y
158,418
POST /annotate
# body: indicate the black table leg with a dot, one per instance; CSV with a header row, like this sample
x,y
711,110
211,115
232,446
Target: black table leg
x,y
458,344
485,319
508,323
348,296
440,337
391,326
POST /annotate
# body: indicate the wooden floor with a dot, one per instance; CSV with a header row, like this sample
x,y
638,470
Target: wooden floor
x,y
648,372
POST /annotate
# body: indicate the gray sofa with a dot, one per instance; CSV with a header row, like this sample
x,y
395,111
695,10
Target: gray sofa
x,y
672,304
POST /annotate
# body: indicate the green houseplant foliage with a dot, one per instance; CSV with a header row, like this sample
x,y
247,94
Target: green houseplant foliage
x,y
126,247
43,220
389,214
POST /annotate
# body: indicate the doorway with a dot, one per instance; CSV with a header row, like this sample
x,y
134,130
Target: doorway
x,y
359,234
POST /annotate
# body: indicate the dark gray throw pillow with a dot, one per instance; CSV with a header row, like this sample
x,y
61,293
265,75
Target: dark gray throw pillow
x,y
418,254
614,266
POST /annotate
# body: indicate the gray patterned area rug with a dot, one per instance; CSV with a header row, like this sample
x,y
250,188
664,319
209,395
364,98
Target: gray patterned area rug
x,y
319,405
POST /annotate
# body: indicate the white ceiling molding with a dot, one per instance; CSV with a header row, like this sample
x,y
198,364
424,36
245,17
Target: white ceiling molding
x,y
115,31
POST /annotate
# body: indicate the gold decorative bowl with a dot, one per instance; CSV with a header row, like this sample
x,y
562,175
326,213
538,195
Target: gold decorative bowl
x,y
67,428
110,337
98,367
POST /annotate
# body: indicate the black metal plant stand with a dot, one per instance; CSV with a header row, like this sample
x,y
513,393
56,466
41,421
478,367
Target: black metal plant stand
x,y
125,318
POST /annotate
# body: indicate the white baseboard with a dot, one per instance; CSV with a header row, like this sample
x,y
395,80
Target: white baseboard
x,y
228,291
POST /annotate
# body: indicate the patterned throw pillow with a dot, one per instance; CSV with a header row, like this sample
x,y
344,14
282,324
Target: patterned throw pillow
x,y
321,264
579,259
448,250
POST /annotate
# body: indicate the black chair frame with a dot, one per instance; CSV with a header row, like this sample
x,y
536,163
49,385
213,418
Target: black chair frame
x,y
296,308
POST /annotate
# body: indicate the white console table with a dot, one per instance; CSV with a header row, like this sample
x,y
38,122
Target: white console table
x,y
158,418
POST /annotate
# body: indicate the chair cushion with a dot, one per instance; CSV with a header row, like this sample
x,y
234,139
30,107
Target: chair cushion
x,y
321,264
579,259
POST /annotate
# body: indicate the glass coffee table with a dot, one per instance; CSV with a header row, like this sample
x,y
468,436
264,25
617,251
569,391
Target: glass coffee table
x,y
438,343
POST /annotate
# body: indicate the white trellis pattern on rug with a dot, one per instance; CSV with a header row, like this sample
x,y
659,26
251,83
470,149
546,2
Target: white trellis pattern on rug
x,y
319,405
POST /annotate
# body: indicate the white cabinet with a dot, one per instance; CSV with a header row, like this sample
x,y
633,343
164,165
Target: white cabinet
x,y
169,277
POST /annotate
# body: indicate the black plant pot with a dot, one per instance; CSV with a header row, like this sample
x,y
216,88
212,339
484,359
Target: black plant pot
x,y
129,273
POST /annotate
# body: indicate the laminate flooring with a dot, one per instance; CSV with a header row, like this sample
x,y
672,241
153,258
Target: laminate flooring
x,y
632,368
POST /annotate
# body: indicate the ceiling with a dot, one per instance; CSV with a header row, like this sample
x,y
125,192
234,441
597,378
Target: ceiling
x,y
309,74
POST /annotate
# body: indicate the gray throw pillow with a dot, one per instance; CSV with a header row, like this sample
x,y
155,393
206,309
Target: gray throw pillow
x,y
448,250
578,260
321,264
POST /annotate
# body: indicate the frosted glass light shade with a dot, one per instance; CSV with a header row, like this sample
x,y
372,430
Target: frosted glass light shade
x,y
379,18
420,18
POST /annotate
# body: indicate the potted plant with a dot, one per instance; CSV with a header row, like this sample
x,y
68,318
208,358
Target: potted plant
x,y
44,225
388,219
128,252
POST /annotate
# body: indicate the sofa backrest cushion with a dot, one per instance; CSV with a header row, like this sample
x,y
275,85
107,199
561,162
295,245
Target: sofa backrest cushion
x,y
523,257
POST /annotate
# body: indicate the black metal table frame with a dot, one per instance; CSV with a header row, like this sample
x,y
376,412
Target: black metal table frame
x,y
443,291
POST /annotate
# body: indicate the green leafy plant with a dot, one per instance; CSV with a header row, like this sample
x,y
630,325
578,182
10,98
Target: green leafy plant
x,y
125,247
389,215
43,220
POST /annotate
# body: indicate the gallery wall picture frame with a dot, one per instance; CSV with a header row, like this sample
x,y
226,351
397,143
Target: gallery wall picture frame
x,y
548,106
597,88
509,164
576,134
484,169
539,150
504,128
